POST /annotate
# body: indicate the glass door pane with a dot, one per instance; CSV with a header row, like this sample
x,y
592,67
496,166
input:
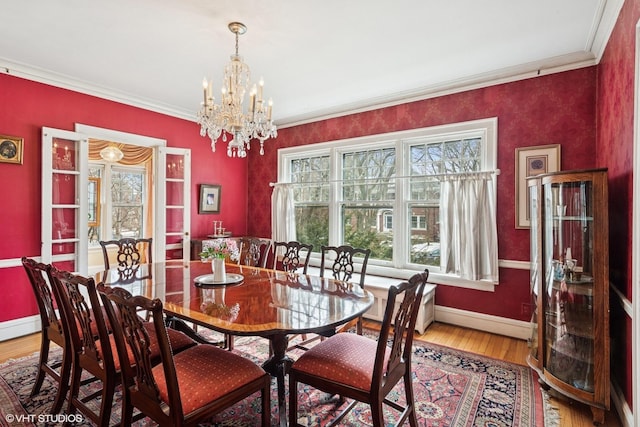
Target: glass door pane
x,y
569,310
535,267
174,198
64,204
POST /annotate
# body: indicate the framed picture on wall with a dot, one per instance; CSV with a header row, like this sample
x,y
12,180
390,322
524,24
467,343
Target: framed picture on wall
x,y
532,161
11,149
209,199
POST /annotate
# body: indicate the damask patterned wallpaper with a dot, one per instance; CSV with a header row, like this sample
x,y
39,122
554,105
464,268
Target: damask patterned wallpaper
x,y
554,109
614,150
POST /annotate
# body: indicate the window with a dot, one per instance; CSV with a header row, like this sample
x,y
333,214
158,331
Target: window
x,y
418,222
123,202
312,199
382,192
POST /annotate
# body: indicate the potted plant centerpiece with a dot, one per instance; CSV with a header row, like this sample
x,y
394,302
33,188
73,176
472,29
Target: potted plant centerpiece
x,y
217,251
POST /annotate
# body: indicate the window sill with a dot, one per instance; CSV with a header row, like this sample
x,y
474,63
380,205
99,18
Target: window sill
x,y
377,275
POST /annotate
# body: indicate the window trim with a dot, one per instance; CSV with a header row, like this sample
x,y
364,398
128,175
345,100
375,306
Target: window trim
x,y
487,127
105,203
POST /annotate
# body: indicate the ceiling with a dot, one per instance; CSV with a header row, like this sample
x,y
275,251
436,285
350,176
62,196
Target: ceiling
x,y
318,58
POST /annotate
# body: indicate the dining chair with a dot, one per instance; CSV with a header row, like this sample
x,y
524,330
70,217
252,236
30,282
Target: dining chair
x,y
255,251
92,344
129,252
343,267
295,256
91,353
51,331
363,369
185,388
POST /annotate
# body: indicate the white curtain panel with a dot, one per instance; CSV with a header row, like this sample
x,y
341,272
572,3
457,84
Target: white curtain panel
x,y
283,214
469,240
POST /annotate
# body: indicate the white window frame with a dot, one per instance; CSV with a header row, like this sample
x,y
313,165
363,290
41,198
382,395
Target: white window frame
x,y
106,202
486,128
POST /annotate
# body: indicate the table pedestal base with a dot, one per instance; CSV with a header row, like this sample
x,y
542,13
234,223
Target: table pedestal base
x,y
278,366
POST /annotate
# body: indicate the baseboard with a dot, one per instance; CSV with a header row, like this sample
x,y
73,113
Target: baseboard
x,y
19,327
484,322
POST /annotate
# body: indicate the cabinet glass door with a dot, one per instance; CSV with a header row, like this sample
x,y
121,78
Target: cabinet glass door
x,y
535,268
569,317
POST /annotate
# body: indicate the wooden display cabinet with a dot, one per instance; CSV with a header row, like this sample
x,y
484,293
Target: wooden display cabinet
x,y
570,285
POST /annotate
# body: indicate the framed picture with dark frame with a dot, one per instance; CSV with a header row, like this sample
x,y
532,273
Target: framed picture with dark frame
x,y
531,161
11,149
209,199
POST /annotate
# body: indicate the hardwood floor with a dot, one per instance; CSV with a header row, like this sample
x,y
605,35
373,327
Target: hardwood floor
x,y
572,414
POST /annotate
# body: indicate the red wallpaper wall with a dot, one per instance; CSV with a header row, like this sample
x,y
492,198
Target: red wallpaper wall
x,y
555,109
614,150
26,106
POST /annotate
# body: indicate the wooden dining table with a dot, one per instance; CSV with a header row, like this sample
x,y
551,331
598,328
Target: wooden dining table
x,y
253,302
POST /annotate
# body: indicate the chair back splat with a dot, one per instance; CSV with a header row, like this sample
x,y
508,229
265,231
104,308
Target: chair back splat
x,y
404,322
254,251
130,252
343,265
185,388
296,256
52,331
85,325
362,369
342,269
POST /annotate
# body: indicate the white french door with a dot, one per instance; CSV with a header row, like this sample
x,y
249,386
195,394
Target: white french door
x,y
64,199
65,214
173,197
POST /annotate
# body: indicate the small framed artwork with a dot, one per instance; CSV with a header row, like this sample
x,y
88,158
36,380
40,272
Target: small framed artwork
x,y
11,149
532,161
209,199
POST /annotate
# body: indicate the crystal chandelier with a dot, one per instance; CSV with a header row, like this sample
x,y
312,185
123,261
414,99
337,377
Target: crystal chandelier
x,y
111,153
229,117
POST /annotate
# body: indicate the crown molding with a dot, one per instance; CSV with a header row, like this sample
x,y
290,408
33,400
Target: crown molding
x,y
558,64
41,75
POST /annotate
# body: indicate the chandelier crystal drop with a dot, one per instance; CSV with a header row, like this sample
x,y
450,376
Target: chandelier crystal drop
x,y
229,116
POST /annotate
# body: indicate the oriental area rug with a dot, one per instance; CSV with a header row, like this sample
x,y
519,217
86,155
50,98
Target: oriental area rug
x,y
451,387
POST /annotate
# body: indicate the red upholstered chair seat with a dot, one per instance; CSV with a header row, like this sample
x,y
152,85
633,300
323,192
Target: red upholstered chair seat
x,y
94,325
345,358
179,341
200,381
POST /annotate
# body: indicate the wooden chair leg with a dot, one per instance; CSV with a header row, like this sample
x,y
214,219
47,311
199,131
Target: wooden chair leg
x,y
408,391
229,342
44,358
108,388
74,389
377,414
293,402
63,386
266,407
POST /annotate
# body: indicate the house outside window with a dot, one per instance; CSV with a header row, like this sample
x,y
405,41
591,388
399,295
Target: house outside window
x,y
382,192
